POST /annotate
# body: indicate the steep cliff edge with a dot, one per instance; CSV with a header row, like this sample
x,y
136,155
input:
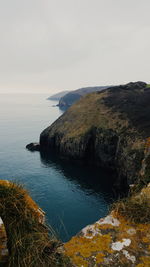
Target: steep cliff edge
x,y
122,239
107,128
58,95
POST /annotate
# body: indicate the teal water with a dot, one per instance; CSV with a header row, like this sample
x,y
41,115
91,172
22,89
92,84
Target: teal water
x,y
71,195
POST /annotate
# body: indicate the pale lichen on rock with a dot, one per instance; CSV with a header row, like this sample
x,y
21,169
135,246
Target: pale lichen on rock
x,y
113,241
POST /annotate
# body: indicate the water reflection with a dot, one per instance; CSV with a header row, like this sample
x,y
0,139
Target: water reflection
x,y
90,179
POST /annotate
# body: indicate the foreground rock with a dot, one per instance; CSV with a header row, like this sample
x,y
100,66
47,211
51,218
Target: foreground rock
x,y
33,147
107,129
119,240
122,239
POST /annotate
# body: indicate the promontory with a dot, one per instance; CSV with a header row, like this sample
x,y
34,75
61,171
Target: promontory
x,y
108,129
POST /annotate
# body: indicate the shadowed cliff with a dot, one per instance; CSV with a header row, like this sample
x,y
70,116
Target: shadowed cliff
x,y
107,128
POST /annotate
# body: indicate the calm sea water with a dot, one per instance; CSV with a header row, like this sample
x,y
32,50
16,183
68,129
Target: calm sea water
x,y
72,196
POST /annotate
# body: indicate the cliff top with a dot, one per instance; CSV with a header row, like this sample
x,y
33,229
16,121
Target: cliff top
x,y
70,98
120,239
114,108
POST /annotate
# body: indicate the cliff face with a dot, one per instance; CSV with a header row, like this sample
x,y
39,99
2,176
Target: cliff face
x,y
107,128
58,95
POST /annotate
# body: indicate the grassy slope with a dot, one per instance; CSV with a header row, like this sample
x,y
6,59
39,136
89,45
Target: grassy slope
x,y
112,126
75,95
29,241
113,108
88,112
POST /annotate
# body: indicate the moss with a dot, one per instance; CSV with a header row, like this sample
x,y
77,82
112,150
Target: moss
x,y
145,262
95,245
82,248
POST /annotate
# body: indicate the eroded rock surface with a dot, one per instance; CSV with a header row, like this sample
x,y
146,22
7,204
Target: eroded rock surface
x,y
112,241
33,147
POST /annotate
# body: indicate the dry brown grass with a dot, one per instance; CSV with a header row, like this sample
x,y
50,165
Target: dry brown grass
x,y
135,208
30,243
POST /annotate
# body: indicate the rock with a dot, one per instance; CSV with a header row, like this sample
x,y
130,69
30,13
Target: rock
x,y
57,96
108,129
113,241
33,147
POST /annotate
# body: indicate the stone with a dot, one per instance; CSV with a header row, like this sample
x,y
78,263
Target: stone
x,y
33,147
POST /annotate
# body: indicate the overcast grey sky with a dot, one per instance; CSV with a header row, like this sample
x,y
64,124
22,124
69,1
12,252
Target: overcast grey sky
x,y
52,45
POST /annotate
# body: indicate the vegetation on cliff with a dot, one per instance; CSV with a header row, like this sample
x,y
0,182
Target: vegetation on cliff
x,y
107,128
70,98
120,239
110,128
29,241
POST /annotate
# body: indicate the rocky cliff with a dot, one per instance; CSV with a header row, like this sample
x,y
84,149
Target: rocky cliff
x,y
122,239
58,95
107,128
70,98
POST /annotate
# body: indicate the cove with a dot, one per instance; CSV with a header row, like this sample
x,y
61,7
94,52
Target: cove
x,y
71,195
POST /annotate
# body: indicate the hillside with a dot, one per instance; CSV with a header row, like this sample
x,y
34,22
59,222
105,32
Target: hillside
x,y
70,98
107,128
58,95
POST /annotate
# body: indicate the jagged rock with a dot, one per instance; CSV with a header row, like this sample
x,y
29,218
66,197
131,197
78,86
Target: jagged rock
x,y
33,147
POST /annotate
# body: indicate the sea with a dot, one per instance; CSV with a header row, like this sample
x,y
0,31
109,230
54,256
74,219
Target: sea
x,y
72,195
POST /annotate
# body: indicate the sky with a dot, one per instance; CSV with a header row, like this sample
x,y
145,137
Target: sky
x,y
54,45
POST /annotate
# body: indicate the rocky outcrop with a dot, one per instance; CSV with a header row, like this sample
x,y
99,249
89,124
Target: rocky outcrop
x,y
107,128
70,98
116,240
33,147
120,239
